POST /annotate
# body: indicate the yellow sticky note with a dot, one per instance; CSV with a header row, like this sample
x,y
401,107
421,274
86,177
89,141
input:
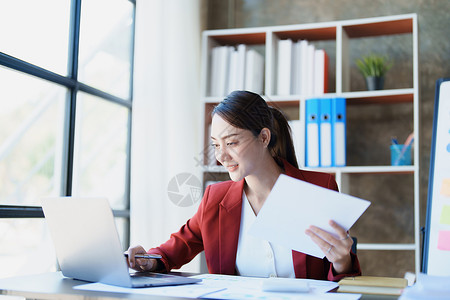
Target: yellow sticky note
x,y
445,188
445,215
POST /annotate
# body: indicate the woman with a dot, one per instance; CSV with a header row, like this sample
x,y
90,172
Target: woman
x,y
253,142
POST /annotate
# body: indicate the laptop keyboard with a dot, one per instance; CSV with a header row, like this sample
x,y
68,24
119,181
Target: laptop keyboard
x,y
152,280
150,277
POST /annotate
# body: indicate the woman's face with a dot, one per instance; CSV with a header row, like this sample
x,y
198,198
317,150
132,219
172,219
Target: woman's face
x,y
238,150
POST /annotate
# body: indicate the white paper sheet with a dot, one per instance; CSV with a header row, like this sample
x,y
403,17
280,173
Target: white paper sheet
x,y
241,287
293,205
187,291
254,284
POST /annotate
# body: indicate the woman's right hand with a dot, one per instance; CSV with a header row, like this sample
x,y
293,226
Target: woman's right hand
x,y
140,264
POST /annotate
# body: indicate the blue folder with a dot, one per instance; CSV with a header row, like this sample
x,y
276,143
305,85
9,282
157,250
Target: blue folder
x,y
325,133
338,127
312,133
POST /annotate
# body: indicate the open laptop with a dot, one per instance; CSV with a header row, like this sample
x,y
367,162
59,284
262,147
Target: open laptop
x,y
88,246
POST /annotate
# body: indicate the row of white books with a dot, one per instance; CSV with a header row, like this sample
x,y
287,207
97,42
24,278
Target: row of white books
x,y
235,68
301,69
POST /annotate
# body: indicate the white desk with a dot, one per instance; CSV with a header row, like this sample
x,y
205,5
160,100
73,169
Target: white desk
x,y
55,286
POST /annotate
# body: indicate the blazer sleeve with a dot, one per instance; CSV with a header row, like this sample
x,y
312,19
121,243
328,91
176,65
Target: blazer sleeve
x,y
185,244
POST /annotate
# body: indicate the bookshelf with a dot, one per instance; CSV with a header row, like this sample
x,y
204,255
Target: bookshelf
x,y
338,38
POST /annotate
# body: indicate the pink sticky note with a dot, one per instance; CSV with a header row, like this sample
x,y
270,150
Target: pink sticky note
x,y
444,240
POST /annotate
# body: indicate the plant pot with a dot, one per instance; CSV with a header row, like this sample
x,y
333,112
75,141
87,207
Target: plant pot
x,y
374,83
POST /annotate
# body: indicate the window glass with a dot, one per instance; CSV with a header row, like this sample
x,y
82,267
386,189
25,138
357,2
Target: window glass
x,y
37,32
122,226
31,138
100,152
26,247
106,45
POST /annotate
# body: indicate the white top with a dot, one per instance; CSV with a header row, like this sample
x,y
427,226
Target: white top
x,y
257,257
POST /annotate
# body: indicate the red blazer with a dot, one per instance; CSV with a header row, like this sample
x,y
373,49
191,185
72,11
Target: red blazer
x,y
215,229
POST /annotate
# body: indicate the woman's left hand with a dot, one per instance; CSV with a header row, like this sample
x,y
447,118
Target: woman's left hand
x,y
337,250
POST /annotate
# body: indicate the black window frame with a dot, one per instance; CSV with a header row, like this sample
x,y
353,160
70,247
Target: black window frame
x,y
74,86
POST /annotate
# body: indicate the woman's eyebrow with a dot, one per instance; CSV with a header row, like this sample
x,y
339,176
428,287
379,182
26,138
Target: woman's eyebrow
x,y
225,137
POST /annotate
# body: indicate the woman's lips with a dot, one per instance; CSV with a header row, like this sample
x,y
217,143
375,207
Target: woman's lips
x,y
232,168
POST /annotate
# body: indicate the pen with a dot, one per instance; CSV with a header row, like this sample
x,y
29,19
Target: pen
x,y
145,256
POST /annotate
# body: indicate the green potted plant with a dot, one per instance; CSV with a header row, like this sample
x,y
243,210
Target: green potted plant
x,y
374,67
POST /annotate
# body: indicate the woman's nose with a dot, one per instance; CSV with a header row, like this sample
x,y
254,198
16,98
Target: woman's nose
x,y
222,154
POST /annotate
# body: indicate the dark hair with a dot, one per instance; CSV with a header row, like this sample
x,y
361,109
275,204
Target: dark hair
x,y
247,110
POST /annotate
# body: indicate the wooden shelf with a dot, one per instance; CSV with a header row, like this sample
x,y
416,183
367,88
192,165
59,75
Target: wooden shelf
x,y
380,97
379,28
364,246
254,38
342,33
311,34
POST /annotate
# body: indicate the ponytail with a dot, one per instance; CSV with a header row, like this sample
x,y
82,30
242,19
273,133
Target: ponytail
x,y
282,144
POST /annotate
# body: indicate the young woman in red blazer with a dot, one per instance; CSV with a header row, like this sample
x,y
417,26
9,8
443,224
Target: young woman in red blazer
x,y
253,142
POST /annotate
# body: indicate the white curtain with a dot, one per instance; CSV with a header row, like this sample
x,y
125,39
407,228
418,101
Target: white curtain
x,y
166,126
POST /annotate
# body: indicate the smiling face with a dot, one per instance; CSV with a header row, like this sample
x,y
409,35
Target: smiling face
x,y
238,150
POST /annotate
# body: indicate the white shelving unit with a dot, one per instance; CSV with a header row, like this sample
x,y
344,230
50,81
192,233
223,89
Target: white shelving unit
x,y
342,33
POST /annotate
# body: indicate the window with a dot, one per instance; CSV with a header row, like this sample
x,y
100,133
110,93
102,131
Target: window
x,y
65,117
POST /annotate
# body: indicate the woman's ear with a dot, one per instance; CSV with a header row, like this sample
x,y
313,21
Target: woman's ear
x,y
264,136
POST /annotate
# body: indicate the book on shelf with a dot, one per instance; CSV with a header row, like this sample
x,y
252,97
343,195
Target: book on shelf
x,y
302,81
301,69
254,72
284,63
232,72
372,285
235,68
320,72
220,57
240,72
309,78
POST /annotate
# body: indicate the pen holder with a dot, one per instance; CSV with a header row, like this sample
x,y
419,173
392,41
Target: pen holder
x,y
400,155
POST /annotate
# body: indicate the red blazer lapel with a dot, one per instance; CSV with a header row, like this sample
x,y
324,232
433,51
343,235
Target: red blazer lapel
x,y
230,209
299,260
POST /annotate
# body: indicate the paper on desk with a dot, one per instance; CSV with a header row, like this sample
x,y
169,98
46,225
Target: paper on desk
x,y
248,285
186,291
293,205
249,288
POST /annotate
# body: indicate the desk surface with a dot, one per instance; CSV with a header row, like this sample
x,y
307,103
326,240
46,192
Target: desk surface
x,y
55,286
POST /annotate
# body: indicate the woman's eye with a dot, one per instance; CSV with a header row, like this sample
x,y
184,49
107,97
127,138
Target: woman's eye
x,y
231,143
215,146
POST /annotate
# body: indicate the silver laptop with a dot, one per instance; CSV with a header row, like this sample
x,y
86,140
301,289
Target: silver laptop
x,y
88,246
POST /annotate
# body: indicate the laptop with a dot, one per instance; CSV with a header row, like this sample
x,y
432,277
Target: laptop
x,y
88,246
